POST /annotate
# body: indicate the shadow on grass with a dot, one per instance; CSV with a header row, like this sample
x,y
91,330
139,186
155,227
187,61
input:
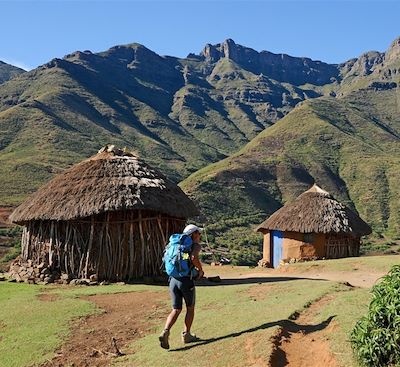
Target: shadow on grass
x,y
252,280
163,281
288,326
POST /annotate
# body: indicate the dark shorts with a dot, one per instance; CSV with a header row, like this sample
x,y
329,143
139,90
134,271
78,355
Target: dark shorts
x,y
182,288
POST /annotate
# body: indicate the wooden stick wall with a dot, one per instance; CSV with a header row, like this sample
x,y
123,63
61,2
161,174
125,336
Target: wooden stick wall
x,y
121,245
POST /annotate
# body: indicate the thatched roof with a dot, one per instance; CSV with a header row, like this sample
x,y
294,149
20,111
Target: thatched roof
x,y
316,211
109,181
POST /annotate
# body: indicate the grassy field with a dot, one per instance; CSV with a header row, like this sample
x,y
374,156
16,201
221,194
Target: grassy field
x,y
372,264
348,307
236,324
31,329
235,321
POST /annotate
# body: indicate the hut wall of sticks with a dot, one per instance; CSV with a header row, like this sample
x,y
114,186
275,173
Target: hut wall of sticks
x,y
313,226
109,216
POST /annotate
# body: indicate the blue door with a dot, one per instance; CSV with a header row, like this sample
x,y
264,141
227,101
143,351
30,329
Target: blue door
x,y
277,239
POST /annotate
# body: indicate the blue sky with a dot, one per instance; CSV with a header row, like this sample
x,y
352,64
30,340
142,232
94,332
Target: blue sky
x,y
33,32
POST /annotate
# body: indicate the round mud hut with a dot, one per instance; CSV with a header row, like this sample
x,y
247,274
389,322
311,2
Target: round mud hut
x,y
313,226
109,216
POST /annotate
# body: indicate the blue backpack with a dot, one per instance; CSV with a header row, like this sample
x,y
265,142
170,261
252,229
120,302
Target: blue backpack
x,y
177,257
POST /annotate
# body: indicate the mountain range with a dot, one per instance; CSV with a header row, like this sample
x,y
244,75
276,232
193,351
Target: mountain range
x,y
271,123
8,72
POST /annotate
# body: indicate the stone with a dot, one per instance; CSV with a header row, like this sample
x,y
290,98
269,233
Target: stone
x,y
45,271
2,278
79,282
12,280
104,282
64,276
264,263
48,280
15,268
18,279
41,265
93,283
23,273
93,278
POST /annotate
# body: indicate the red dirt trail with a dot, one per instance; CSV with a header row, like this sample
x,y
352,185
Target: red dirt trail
x,y
301,343
126,317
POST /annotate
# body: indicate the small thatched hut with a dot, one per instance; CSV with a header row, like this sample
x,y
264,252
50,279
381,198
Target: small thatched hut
x,y
110,215
314,225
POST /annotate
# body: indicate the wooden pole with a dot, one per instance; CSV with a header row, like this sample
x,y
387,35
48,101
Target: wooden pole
x,y
143,244
89,248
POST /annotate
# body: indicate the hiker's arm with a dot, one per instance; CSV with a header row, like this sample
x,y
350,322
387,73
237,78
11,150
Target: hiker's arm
x,y
196,261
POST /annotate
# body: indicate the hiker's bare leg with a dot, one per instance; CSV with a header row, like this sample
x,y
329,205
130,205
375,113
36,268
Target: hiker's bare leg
x,y
189,318
172,317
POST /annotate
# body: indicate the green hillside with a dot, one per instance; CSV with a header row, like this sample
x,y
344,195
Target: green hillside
x,y
350,146
8,72
178,114
183,114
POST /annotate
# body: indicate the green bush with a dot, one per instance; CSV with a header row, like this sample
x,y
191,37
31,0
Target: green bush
x,y
14,231
247,257
15,251
376,337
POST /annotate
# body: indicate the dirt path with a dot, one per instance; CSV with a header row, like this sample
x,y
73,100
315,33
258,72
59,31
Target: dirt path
x,y
126,317
301,343
358,279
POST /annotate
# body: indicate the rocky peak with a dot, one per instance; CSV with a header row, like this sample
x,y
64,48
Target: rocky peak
x,y
130,54
394,50
383,64
227,49
281,67
8,71
367,62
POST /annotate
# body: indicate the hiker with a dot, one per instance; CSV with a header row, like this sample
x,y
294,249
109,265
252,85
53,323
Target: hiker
x,y
181,281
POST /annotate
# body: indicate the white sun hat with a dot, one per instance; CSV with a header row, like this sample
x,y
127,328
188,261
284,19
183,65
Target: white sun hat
x,y
191,228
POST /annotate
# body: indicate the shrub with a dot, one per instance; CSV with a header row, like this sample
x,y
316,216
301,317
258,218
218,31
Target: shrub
x,y
14,231
376,337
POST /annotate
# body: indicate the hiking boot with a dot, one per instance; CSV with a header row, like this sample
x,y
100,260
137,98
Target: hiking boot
x,y
189,338
163,338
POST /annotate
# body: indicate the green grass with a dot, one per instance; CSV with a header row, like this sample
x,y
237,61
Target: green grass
x,y
347,307
372,264
31,330
235,321
347,146
236,326
75,292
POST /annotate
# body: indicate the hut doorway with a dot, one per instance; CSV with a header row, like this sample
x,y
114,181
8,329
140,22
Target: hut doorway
x,y
277,241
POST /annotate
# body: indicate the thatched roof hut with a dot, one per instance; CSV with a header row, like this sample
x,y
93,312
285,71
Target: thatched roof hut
x,y
110,215
316,211
315,221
